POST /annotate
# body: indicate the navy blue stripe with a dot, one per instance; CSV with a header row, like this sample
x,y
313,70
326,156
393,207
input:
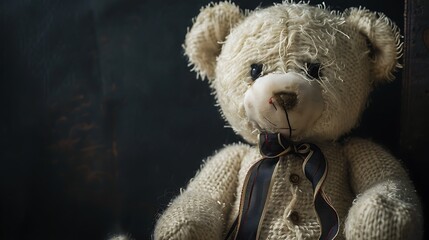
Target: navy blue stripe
x,y
314,170
255,196
328,218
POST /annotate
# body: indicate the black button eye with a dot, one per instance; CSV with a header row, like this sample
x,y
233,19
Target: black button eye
x,y
255,70
313,70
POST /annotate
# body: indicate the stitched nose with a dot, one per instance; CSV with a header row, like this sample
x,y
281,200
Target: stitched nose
x,y
286,99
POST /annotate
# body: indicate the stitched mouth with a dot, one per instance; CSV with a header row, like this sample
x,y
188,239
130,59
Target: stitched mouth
x,y
274,127
288,122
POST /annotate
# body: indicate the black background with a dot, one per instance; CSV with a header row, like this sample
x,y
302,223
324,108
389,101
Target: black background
x,y
103,122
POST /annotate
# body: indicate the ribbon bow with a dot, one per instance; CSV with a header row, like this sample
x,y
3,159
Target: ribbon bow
x,y
258,183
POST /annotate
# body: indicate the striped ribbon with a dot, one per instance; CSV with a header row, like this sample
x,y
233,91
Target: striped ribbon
x,y
258,182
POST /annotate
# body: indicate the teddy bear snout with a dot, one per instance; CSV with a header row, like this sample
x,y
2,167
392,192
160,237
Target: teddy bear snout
x,y
287,100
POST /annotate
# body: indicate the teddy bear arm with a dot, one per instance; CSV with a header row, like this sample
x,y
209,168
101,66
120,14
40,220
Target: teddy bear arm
x,y
200,211
387,206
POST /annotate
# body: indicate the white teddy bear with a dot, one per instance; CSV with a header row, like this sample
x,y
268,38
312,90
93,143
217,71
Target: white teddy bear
x,y
292,80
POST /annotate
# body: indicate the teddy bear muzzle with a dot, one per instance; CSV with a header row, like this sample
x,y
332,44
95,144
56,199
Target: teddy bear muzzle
x,y
288,103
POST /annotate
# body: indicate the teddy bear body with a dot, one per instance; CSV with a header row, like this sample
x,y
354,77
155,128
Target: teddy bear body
x,y
303,72
290,213
296,218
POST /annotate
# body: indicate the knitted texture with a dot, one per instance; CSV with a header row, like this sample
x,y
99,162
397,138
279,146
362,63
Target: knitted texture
x,y
305,72
386,209
387,206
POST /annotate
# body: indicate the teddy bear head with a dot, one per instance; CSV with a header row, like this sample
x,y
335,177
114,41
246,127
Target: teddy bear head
x,y
293,68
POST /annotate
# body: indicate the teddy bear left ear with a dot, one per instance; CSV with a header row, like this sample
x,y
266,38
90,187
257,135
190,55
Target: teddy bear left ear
x,y
204,40
384,40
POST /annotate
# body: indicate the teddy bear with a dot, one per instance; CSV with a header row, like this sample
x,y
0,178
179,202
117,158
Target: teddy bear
x,y
293,80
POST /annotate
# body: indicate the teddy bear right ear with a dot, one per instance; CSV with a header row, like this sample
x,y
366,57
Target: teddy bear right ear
x,y
384,40
203,41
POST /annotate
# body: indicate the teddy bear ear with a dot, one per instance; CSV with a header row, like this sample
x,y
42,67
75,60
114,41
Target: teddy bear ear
x,y
203,42
384,40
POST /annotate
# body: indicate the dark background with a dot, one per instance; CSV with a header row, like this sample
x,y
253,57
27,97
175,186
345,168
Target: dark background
x,y
103,122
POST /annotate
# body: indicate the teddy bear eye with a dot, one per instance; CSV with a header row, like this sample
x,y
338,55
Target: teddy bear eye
x,y
255,70
313,70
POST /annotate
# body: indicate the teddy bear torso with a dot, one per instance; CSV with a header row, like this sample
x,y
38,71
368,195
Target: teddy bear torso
x,y
290,211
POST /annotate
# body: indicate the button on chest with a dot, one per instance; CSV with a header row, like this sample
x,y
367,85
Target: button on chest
x,y
291,170
294,217
294,178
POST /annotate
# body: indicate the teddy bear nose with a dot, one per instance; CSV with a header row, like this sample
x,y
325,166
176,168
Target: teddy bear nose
x,y
286,99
